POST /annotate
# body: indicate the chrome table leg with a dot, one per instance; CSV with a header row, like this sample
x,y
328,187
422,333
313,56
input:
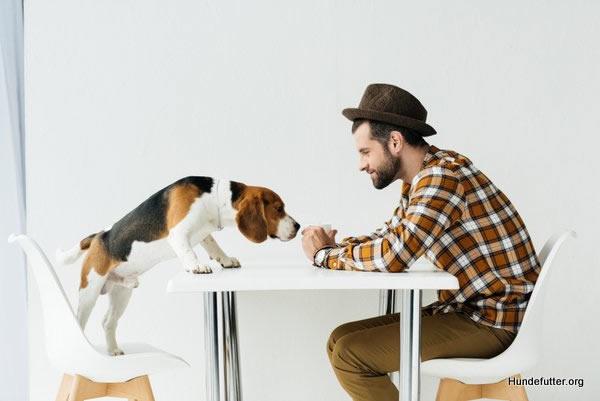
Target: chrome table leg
x,y
410,345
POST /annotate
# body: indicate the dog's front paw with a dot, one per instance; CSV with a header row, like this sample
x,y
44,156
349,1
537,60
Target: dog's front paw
x,y
199,269
229,262
116,352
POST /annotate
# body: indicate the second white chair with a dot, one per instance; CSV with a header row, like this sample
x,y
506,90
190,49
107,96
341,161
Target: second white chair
x,y
473,378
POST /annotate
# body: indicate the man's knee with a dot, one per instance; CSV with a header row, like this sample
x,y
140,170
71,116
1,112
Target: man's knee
x,y
336,335
350,354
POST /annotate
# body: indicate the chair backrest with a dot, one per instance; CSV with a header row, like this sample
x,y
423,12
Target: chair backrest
x,y
64,336
527,343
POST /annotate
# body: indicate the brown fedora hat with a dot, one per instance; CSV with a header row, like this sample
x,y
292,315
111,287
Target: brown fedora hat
x,y
390,104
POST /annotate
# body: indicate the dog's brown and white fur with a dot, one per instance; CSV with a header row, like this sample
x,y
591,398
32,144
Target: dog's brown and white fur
x,y
169,224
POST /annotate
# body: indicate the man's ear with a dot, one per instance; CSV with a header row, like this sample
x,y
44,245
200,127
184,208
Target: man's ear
x,y
396,142
251,219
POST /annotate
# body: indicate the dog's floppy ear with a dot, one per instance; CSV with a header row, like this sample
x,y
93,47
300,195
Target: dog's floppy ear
x,y
251,219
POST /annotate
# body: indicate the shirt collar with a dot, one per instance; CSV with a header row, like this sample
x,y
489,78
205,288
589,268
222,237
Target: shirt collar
x,y
429,156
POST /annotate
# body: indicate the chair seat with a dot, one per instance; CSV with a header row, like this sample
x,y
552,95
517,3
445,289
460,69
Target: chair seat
x,y
471,370
140,359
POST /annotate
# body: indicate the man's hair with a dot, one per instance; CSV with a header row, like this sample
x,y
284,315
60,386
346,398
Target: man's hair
x,y
381,132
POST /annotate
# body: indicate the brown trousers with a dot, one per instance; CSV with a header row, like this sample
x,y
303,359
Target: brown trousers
x,y
363,352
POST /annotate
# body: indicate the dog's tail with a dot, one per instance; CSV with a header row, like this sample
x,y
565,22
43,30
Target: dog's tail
x,y
71,255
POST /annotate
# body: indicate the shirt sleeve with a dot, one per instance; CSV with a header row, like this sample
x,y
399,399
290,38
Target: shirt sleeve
x,y
436,202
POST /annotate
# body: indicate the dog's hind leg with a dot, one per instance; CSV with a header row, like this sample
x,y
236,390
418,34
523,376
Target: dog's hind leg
x,y
88,296
94,273
118,299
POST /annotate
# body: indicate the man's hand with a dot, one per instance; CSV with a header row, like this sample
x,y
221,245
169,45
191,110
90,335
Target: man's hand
x,y
315,238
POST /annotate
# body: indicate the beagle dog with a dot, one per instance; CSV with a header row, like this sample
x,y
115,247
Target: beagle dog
x,y
166,225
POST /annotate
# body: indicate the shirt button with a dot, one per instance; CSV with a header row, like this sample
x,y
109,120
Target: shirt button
x,y
334,264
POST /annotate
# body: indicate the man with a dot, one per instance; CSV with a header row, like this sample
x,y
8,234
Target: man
x,y
454,215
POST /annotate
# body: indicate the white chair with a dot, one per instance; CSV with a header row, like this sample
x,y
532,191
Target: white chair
x,y
473,378
88,371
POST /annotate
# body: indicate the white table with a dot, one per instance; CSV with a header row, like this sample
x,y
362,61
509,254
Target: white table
x,y
220,320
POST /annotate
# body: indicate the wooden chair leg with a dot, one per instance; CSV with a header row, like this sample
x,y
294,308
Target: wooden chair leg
x,y
137,389
65,388
454,390
79,388
85,389
504,391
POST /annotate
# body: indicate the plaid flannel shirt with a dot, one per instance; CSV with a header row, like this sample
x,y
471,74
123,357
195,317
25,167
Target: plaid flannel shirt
x,y
454,215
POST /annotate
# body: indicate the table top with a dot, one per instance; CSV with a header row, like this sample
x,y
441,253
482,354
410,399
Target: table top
x,y
297,275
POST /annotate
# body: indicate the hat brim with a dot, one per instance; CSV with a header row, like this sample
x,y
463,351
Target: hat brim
x,y
422,128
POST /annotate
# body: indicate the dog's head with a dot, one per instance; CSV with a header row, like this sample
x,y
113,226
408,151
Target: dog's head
x,y
261,214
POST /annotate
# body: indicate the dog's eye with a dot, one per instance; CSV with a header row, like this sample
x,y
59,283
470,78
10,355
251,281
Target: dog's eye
x,y
279,208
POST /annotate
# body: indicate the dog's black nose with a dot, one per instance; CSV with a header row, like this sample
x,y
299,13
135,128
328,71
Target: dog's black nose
x,y
296,226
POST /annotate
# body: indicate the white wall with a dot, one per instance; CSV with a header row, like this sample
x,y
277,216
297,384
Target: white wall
x,y
125,96
13,281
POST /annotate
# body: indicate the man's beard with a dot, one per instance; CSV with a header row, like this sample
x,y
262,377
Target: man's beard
x,y
385,174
